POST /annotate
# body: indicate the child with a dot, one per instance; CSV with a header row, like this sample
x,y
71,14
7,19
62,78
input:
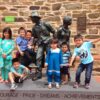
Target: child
x,y
53,61
22,43
30,46
7,46
82,50
1,61
18,73
66,55
30,39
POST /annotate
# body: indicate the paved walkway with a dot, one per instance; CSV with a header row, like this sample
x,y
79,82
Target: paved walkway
x,y
40,85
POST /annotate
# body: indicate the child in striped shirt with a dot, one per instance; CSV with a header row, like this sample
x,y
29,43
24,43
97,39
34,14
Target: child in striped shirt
x,y
66,55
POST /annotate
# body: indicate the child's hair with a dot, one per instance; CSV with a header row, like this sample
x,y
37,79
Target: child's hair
x,y
29,31
15,60
54,41
78,36
21,28
65,44
8,30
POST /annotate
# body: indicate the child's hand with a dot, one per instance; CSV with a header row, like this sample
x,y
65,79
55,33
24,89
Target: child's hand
x,y
4,55
69,65
45,65
30,47
21,76
22,53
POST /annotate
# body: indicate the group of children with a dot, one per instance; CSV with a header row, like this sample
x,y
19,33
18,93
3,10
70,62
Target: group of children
x,y
14,69
58,62
58,59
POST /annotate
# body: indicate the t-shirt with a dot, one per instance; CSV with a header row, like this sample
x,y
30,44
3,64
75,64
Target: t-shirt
x,y
22,42
30,42
19,70
65,57
84,52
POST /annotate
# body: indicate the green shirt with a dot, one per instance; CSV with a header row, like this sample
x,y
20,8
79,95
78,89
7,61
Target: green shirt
x,y
18,70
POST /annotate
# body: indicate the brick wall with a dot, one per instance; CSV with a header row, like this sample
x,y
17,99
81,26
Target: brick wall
x,y
53,11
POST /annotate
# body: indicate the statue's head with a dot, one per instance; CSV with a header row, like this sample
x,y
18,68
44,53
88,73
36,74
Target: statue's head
x,y
35,17
67,20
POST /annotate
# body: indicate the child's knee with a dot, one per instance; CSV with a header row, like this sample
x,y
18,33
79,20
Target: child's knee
x,y
10,74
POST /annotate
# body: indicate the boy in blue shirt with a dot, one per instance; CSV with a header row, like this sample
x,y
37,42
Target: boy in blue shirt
x,y
17,73
83,50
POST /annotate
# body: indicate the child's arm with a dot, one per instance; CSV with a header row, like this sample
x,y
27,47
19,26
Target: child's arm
x,y
4,54
18,41
11,49
17,74
47,59
61,59
93,41
96,40
71,61
26,70
22,53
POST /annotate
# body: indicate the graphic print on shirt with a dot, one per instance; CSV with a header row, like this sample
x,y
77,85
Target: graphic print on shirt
x,y
83,54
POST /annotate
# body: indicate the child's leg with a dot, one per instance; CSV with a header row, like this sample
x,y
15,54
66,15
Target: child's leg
x,y
62,78
12,80
57,78
78,72
88,73
65,74
3,73
49,76
66,78
61,74
69,77
11,77
6,74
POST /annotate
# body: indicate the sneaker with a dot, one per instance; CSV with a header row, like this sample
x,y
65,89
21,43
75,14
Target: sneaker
x,y
76,85
49,85
57,85
64,82
13,87
87,86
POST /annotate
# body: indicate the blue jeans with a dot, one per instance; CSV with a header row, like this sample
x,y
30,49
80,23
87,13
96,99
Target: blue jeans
x,y
88,72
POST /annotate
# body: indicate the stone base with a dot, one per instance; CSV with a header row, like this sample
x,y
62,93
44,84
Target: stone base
x,y
49,95
37,90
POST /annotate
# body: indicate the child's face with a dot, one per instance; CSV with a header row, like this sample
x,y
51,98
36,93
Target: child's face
x,y
16,64
6,35
78,42
54,45
64,48
28,35
22,33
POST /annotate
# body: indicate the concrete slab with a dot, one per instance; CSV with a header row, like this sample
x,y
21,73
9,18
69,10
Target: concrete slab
x,y
39,91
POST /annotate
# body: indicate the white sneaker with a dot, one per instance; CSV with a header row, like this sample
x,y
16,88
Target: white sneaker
x,y
57,85
49,85
76,85
87,86
13,87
